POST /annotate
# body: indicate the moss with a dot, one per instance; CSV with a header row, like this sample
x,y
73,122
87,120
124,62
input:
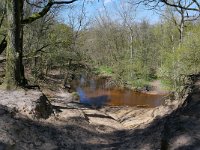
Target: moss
x,y
36,16
10,69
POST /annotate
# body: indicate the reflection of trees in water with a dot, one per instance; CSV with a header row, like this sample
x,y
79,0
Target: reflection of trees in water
x,y
93,92
98,101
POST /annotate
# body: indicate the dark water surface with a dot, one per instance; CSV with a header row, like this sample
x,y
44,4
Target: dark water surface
x,y
95,94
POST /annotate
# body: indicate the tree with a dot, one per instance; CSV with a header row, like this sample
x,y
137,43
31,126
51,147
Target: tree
x,y
37,42
14,54
13,69
187,10
127,14
3,43
180,17
190,5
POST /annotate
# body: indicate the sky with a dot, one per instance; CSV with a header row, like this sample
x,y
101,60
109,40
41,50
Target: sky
x,y
141,12
94,7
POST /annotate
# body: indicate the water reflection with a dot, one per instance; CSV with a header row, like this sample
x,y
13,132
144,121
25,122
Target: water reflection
x,y
97,101
94,94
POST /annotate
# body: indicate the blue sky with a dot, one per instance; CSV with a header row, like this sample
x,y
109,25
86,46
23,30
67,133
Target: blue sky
x,y
93,7
141,11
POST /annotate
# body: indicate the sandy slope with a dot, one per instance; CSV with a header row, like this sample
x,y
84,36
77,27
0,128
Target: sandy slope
x,y
71,126
75,126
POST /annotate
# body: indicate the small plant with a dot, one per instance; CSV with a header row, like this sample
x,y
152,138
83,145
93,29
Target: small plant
x,y
104,70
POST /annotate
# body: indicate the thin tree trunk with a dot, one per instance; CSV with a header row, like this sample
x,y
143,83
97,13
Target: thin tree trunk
x,y
181,30
23,80
132,55
182,26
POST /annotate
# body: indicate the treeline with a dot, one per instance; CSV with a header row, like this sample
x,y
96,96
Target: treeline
x,y
146,52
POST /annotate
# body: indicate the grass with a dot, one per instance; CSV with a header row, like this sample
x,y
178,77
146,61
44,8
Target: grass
x,y
139,83
104,71
167,85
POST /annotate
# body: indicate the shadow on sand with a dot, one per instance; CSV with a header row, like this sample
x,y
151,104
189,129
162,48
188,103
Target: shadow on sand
x,y
180,130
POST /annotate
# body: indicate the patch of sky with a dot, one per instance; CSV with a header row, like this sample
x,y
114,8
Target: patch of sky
x,y
110,7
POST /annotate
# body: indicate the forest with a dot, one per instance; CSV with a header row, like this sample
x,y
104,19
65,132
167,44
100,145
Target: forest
x,y
60,51
133,53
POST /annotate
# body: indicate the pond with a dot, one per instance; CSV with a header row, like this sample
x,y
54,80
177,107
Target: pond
x,y
95,94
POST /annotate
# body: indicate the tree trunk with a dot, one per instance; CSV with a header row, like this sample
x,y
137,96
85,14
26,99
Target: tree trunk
x,y
182,26
3,45
14,68
132,54
181,30
23,80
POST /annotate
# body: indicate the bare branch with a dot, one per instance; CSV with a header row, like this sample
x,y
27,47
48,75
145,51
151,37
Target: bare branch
x,y
44,11
181,6
192,5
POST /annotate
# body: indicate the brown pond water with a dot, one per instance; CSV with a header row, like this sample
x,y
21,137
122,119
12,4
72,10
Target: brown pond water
x,y
95,94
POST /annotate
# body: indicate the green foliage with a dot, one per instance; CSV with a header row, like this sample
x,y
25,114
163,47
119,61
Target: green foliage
x,y
157,52
134,57
139,83
183,59
104,71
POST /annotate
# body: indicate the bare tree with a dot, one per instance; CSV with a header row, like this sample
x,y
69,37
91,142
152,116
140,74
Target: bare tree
x,y
127,14
190,5
78,21
179,17
181,11
193,5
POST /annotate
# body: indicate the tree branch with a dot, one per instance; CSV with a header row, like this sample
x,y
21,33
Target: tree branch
x,y
183,7
38,50
45,10
33,4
